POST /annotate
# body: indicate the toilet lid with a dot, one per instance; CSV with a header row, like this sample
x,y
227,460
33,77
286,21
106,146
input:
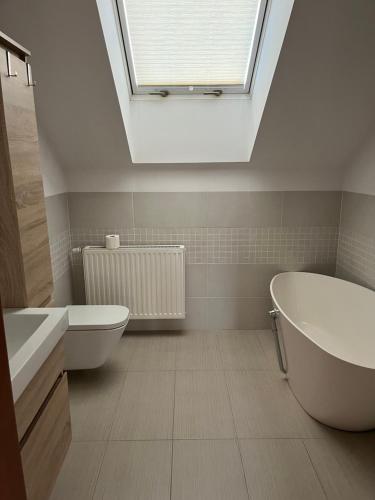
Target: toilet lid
x,y
97,317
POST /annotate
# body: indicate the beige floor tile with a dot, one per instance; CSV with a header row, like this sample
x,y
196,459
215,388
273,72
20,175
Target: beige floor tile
x,y
264,406
242,351
279,469
145,410
345,464
202,408
94,395
207,470
198,351
135,470
236,332
267,342
80,471
153,352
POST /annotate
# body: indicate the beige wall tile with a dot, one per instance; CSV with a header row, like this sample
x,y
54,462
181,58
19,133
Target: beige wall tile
x,y
358,213
100,210
240,280
170,209
196,280
244,209
238,313
312,208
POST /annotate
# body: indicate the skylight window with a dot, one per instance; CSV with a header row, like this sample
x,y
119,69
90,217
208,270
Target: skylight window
x,y
191,46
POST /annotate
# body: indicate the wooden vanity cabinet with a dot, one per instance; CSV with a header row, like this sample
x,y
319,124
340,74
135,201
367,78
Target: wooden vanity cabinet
x,y
44,425
25,262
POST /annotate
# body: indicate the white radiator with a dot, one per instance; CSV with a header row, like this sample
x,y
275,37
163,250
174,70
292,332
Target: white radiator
x,y
149,280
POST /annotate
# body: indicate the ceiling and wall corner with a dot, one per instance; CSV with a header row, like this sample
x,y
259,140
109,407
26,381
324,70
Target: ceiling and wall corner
x,y
359,175
318,109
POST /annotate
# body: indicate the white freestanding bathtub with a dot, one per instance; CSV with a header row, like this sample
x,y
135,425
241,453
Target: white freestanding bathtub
x,y
326,331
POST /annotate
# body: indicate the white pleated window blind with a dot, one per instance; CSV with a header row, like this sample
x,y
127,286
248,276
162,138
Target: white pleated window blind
x,y
186,46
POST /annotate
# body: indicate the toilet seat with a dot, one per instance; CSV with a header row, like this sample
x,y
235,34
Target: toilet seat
x,y
97,317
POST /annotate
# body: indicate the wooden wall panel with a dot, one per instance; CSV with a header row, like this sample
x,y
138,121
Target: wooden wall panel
x,y
12,279
23,156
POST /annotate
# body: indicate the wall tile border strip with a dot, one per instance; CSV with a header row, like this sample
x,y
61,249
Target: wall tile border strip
x,y
356,257
60,246
271,245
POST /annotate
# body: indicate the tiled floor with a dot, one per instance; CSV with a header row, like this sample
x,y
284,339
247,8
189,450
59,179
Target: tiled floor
x,y
204,416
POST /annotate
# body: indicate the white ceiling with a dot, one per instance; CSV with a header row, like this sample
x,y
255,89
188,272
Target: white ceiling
x,y
321,102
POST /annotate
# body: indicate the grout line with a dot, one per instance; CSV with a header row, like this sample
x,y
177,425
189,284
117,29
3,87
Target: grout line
x,y
247,438
315,471
233,419
172,451
99,468
201,369
125,373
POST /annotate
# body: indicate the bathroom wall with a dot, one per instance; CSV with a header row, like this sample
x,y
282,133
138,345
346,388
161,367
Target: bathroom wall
x,y
235,242
59,238
272,216
56,201
356,246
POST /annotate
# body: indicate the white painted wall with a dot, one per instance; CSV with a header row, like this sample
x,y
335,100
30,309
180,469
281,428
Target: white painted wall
x,y
187,129
54,179
359,176
228,177
308,130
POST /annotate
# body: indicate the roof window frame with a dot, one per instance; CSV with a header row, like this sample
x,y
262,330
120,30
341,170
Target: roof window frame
x,y
197,90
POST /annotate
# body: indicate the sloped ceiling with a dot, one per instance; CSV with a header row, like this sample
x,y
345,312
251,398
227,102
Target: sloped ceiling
x,y
321,103
322,99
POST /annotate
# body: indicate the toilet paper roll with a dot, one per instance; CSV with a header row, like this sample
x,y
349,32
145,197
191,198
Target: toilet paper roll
x,y
112,241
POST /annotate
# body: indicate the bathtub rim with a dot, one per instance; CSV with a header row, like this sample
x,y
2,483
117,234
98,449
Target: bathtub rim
x,y
287,317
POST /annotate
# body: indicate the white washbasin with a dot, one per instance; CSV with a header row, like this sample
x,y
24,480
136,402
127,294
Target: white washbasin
x,y
31,334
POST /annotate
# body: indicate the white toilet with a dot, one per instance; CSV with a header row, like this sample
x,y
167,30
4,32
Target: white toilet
x,y
92,334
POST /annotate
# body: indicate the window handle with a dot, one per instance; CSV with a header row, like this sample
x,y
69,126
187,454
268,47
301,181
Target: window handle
x,y
9,67
216,93
162,93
